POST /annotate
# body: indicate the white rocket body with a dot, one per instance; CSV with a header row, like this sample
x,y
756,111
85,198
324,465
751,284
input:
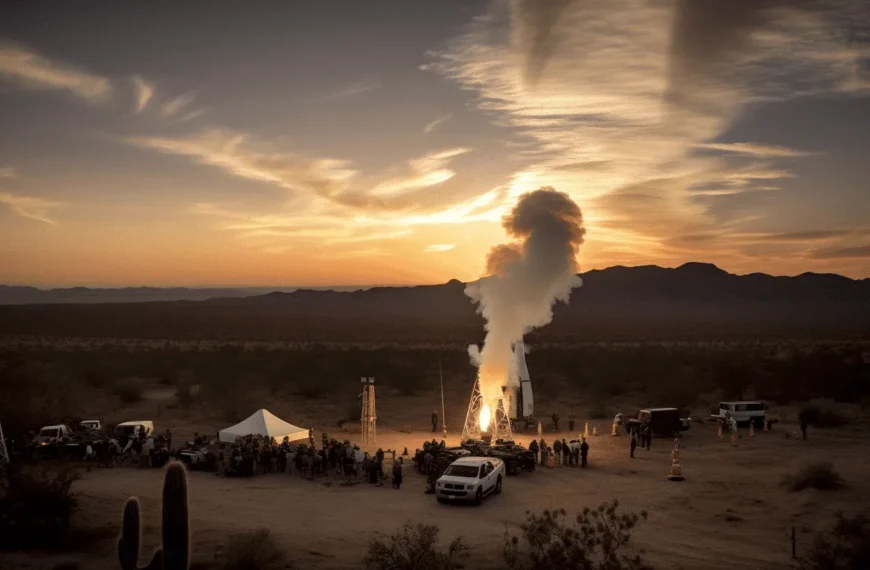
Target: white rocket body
x,y
519,400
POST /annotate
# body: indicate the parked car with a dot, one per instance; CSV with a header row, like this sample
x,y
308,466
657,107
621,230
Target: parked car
x,y
664,422
470,479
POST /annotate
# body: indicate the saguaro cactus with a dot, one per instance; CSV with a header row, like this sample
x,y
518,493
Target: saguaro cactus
x,y
175,552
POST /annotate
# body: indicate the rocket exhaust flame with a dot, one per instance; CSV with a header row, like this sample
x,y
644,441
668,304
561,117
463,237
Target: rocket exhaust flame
x,y
485,417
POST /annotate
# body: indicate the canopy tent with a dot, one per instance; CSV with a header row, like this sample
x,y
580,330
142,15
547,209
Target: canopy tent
x,y
264,422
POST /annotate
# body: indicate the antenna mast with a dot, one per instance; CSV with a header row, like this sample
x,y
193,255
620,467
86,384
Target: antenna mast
x,y
4,451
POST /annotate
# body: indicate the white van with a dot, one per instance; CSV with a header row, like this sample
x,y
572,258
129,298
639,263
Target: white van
x,y
743,412
51,434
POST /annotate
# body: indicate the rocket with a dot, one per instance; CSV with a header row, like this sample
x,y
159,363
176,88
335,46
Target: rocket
x,y
519,400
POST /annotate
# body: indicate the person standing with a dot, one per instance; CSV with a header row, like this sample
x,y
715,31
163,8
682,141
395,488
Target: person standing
x,y
571,422
434,421
804,426
167,435
543,453
633,444
557,451
555,417
584,453
533,447
397,474
566,453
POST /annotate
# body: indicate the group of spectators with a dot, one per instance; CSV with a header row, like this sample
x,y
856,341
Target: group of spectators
x,y
266,455
564,453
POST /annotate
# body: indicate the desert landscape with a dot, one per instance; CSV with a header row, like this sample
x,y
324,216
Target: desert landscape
x,y
732,509
395,285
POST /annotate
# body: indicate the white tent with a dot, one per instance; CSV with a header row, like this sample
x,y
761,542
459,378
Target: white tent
x,y
264,422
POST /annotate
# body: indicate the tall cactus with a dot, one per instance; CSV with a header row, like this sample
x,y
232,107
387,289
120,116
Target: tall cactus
x,y
175,553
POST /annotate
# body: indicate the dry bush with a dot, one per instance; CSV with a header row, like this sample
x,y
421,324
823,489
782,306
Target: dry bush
x,y
255,550
36,507
845,547
415,547
599,411
597,541
129,390
820,475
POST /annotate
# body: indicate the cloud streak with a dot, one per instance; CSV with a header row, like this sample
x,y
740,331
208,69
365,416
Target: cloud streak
x,y
367,83
439,247
35,72
754,149
430,126
30,207
177,104
143,91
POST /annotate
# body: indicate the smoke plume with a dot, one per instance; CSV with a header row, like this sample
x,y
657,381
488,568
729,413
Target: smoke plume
x,y
525,278
533,22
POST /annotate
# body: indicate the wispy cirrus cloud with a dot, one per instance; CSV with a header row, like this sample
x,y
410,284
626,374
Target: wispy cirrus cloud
x,y
582,86
176,105
432,125
401,188
429,170
36,72
143,91
7,171
754,149
367,83
31,207
439,247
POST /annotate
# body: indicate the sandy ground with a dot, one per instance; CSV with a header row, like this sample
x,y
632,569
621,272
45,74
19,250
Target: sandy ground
x,y
729,513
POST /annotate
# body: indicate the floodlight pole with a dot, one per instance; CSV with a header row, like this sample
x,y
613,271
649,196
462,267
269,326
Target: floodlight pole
x,y
443,415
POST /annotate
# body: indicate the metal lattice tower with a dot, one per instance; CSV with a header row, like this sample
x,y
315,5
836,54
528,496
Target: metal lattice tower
x,y
500,424
368,417
4,451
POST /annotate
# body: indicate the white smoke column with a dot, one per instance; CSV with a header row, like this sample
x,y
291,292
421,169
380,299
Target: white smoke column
x,y
524,279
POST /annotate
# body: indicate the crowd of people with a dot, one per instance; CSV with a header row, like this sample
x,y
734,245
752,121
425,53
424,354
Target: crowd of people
x,y
253,454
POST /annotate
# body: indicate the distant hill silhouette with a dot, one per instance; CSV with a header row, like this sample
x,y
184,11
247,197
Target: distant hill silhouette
x,y
691,301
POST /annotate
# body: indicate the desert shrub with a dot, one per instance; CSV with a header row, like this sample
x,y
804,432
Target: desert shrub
x,y
310,388
819,475
597,541
184,395
255,550
129,391
35,394
845,547
36,508
819,416
831,419
415,547
598,411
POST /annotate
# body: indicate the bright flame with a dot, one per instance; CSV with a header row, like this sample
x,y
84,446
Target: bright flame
x,y
485,417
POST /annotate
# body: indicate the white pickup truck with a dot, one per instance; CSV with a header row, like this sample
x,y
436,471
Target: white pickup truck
x,y
470,479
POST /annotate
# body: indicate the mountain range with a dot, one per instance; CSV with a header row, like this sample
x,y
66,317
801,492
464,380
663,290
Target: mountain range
x,y
691,301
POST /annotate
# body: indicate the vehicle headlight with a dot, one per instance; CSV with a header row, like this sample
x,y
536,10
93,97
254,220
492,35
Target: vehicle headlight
x,y
471,487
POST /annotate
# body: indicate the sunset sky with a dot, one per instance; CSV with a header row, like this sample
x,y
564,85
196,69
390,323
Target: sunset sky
x,y
339,143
